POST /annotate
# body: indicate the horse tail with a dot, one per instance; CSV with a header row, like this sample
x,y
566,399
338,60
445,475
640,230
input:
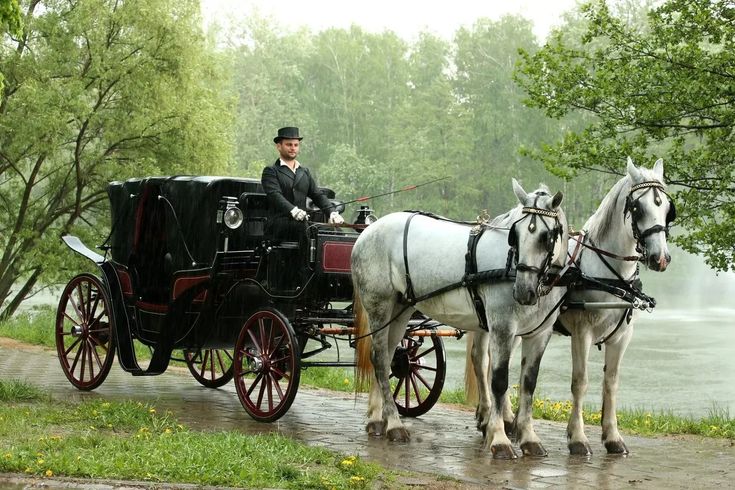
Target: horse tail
x,y
471,391
363,345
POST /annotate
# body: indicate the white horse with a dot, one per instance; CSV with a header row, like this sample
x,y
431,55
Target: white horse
x,y
630,226
406,262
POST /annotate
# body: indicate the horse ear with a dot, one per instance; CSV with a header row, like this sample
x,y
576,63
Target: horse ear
x,y
520,193
556,201
633,170
658,169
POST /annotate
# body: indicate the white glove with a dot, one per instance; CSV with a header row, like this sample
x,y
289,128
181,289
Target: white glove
x,y
335,218
298,214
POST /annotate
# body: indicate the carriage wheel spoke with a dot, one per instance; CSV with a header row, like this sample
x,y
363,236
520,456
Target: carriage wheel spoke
x,y
71,347
263,382
221,361
415,389
255,382
427,351
90,349
418,376
398,387
203,365
270,391
278,385
74,305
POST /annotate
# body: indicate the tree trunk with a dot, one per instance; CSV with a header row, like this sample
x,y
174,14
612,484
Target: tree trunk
x,y
13,305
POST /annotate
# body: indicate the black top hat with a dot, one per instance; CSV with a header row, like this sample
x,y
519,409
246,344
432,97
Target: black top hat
x,y
287,133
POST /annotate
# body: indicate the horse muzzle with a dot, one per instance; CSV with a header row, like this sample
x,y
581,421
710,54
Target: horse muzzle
x,y
658,262
525,294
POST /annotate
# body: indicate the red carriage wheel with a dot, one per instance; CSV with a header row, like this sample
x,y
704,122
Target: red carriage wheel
x,y
267,365
418,370
210,367
84,338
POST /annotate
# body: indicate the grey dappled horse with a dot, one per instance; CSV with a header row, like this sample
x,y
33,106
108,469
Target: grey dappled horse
x,y
435,253
631,225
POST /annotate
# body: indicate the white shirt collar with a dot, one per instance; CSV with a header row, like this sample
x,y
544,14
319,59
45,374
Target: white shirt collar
x,y
297,165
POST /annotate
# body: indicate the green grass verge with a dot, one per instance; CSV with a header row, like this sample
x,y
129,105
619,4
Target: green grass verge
x,y
132,441
37,328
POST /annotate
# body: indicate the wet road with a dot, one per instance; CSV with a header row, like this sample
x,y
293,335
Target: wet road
x,y
444,440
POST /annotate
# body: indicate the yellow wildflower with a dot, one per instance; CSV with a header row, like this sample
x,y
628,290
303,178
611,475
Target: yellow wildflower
x,y
49,473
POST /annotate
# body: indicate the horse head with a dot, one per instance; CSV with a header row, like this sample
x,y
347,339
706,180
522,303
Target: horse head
x,y
650,212
537,239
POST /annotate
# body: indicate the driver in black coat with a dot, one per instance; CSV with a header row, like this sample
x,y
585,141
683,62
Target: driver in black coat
x,y
287,184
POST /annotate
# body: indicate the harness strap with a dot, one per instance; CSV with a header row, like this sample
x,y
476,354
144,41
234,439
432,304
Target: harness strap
x,y
471,268
551,312
410,294
627,314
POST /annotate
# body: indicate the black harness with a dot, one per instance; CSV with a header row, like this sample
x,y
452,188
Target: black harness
x,y
472,278
633,207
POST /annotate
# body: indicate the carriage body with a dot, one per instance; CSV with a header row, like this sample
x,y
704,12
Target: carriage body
x,y
188,268
175,256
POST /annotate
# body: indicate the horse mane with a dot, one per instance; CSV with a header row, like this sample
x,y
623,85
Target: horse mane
x,y
602,221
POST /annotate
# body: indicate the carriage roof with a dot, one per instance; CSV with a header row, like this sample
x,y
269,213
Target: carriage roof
x,y
184,218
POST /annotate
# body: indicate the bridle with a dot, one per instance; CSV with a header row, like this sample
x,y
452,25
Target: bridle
x,y
633,207
553,234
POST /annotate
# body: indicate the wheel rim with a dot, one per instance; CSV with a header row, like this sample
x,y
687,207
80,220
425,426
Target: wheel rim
x,y
417,375
84,339
267,366
210,367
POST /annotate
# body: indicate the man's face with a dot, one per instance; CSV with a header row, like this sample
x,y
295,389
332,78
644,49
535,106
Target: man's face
x,y
288,149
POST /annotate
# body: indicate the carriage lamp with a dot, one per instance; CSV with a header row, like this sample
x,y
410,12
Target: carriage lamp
x,y
233,218
229,213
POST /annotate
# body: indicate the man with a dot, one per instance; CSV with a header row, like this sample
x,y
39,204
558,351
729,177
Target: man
x,y
287,184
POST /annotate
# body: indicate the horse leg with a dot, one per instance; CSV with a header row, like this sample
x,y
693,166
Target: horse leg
x,y
532,352
508,415
501,343
480,364
483,373
375,427
576,439
611,438
384,344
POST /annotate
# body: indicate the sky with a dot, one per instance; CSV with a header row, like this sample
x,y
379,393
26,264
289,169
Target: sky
x,y
404,17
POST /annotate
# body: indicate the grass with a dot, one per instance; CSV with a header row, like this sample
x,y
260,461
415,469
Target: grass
x,y
34,328
132,441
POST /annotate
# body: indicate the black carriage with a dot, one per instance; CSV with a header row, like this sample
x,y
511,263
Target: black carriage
x,y
188,272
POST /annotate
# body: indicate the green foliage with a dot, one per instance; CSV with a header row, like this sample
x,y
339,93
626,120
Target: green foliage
x,y
35,327
658,89
133,441
18,391
98,91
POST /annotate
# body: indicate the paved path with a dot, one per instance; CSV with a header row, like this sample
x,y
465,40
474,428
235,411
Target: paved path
x,y
444,440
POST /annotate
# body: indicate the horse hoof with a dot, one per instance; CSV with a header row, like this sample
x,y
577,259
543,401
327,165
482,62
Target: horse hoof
x,y
580,449
399,434
534,449
374,429
616,447
503,452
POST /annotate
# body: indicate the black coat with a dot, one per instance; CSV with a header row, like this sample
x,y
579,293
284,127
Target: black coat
x,y
284,190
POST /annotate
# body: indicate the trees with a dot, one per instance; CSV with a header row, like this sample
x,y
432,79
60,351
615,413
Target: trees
x,y
665,88
10,22
97,91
